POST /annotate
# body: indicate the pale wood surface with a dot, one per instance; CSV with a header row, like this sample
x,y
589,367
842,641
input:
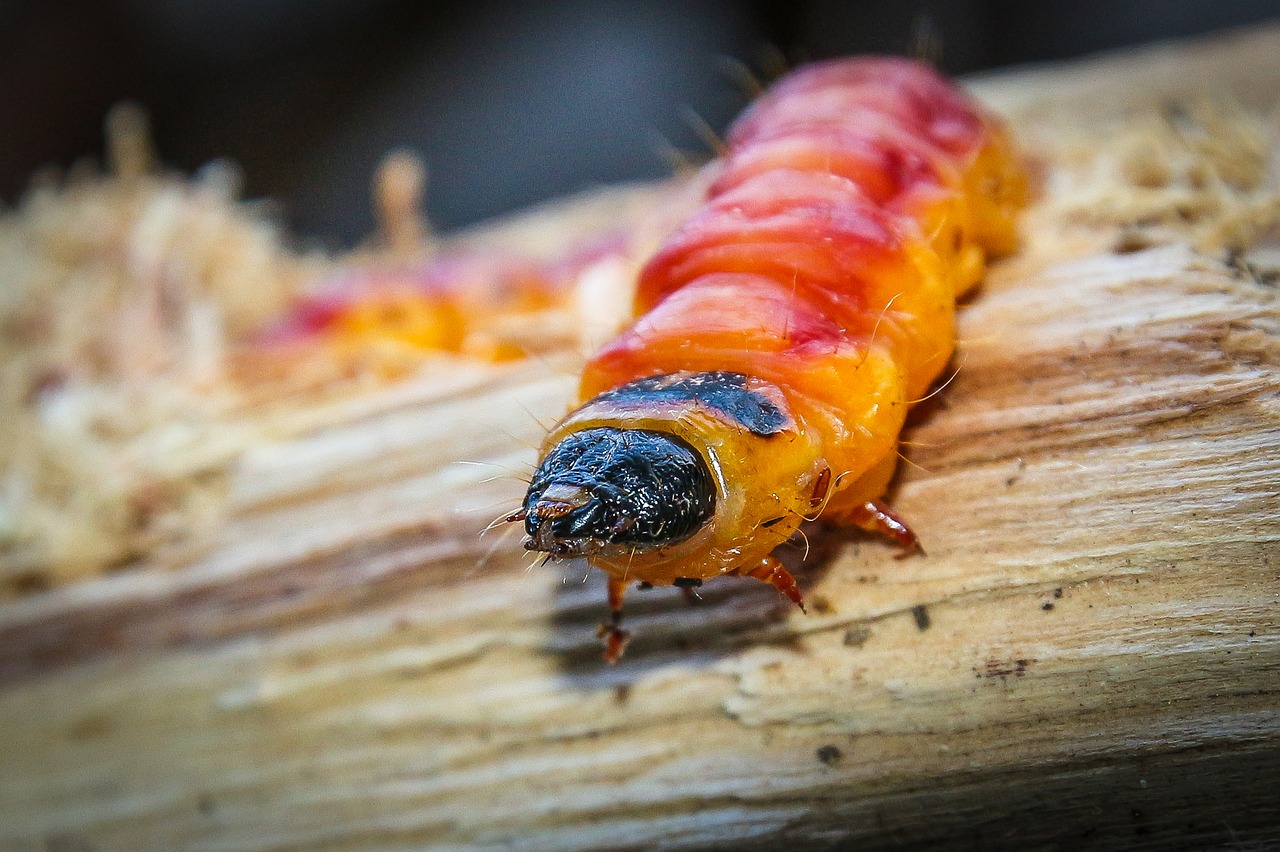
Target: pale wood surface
x,y
1089,654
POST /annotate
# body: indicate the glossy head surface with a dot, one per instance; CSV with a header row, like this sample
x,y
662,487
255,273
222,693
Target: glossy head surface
x,y
608,490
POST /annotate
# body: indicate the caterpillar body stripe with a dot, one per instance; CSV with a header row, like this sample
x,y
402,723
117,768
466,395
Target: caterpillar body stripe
x,y
781,333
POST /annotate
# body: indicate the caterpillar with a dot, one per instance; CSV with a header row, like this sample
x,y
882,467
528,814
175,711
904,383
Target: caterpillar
x,y
385,316
780,334
406,296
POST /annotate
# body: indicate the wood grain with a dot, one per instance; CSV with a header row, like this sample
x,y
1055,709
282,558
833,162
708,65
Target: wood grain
x,y
1087,656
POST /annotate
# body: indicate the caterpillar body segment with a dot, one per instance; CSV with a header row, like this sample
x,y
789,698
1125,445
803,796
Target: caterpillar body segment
x,y
783,331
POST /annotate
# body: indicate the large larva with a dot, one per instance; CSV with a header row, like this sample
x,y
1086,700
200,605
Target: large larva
x,y
384,317
781,334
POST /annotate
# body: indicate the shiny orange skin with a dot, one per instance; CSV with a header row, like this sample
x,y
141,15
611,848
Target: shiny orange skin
x,y
857,200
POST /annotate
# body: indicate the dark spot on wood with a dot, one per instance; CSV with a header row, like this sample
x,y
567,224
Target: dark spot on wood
x,y
1241,269
1132,240
821,605
1004,669
1057,593
49,381
1047,606
28,584
205,804
791,642
68,843
622,694
921,614
830,755
1232,259
856,637
93,727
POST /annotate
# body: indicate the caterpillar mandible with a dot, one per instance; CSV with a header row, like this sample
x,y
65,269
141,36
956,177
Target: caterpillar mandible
x,y
781,334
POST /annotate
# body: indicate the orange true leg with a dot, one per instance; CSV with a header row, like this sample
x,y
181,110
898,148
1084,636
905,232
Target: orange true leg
x,y
874,516
615,638
773,572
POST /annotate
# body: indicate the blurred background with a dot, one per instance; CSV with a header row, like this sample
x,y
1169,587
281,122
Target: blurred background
x,y
508,102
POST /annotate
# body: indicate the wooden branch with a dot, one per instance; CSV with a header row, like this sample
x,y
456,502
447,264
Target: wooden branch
x,y
1087,655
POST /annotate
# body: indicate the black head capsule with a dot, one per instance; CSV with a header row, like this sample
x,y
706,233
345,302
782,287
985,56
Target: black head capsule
x,y
612,490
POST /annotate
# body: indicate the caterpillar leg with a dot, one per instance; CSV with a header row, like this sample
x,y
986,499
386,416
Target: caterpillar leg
x,y
615,638
773,572
874,516
689,586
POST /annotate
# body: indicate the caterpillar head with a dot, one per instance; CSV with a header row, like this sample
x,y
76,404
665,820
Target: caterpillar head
x,y
676,477
609,492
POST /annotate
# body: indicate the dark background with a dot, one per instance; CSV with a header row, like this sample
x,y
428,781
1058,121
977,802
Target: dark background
x,y
509,102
